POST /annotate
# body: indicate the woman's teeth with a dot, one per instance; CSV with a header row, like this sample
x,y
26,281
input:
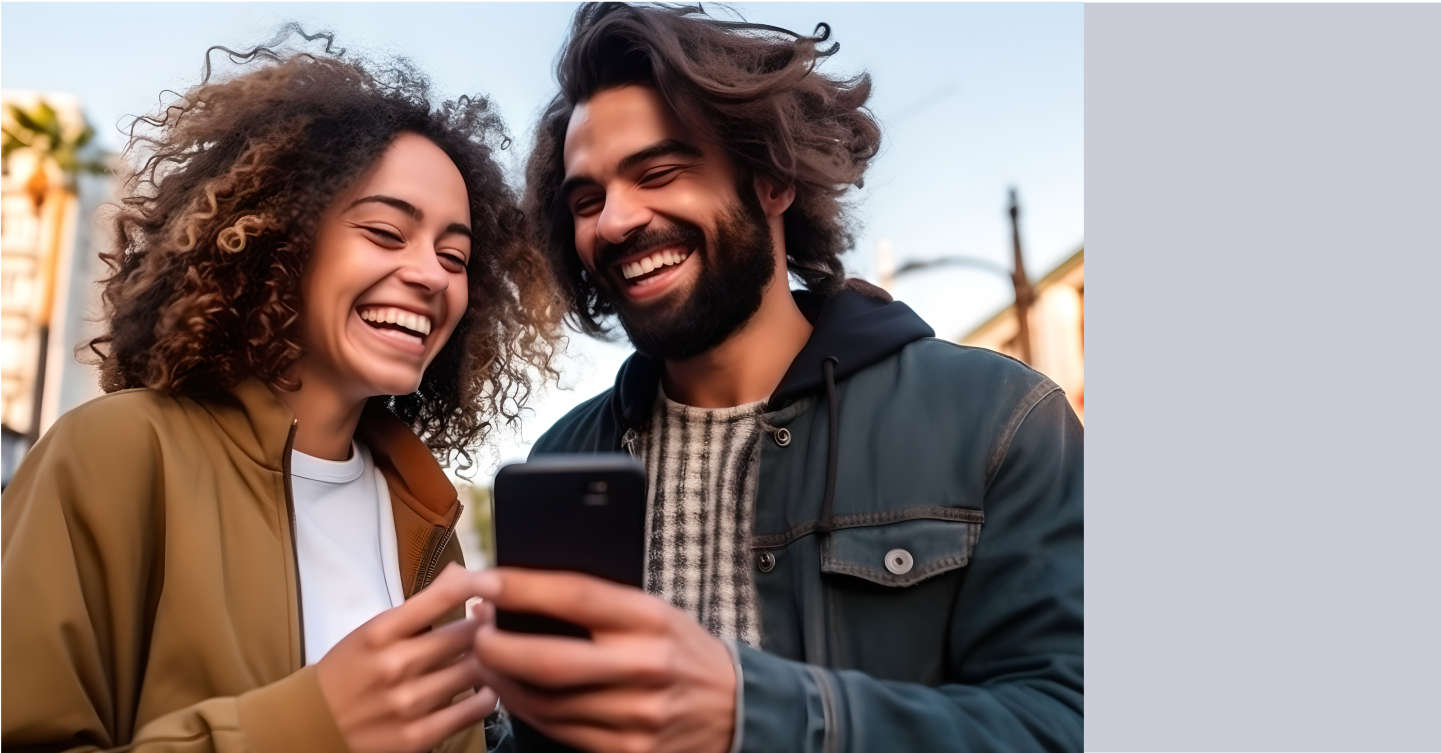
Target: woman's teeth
x,y
653,262
417,323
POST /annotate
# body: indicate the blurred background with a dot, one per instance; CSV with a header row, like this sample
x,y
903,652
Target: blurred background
x,y
972,214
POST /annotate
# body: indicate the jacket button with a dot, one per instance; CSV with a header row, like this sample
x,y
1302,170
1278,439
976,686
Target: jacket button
x,y
783,437
899,561
766,562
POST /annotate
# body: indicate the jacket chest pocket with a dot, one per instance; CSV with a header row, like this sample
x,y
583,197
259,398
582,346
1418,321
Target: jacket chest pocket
x,y
903,553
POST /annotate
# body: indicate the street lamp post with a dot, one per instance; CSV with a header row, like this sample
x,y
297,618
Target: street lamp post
x,y
1024,295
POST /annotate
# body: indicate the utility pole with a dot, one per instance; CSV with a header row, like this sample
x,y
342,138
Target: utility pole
x,y
885,263
1024,296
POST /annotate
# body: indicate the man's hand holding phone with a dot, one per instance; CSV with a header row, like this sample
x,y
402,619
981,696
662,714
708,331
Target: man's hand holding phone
x,y
649,679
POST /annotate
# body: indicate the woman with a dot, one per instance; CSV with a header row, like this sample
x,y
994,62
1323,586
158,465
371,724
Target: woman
x,y
319,289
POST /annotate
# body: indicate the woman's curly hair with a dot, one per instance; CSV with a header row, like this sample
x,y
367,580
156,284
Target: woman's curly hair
x,y
229,184
751,88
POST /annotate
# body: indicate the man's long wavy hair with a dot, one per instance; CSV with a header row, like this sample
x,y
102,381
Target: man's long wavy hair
x,y
229,183
752,88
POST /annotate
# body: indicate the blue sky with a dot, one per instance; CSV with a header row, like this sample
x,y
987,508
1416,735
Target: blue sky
x,y
973,98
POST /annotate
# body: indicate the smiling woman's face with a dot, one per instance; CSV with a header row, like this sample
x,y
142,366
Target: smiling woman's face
x,y
386,281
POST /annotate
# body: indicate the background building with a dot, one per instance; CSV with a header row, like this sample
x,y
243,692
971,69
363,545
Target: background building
x,y
51,183
1058,329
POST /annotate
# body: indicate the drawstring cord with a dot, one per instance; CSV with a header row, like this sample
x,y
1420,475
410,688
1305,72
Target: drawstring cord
x,y
823,527
828,369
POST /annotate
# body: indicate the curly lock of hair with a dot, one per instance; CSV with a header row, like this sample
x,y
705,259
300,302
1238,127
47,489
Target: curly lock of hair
x,y
750,87
218,216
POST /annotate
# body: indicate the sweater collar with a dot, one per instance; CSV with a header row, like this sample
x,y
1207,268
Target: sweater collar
x,y
856,326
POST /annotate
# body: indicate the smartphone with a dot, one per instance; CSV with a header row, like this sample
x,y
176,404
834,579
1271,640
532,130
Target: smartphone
x,y
581,512
577,512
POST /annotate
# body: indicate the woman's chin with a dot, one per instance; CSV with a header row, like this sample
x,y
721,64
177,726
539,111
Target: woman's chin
x,y
388,385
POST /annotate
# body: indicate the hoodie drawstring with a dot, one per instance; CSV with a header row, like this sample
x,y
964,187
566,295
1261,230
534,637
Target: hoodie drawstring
x,y
823,526
833,442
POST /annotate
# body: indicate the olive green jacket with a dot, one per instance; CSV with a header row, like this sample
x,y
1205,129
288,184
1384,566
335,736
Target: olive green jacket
x,y
151,596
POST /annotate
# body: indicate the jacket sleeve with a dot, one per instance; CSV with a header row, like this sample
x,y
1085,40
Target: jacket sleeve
x,y
83,540
1014,667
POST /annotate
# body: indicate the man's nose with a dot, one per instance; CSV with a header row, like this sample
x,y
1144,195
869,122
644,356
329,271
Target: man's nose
x,y
620,217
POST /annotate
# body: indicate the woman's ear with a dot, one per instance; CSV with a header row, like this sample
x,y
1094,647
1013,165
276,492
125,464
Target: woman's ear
x,y
775,199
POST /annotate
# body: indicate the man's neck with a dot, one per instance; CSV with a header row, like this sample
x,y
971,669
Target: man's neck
x,y
750,364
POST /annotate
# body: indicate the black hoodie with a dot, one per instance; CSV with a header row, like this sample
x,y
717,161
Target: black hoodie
x,y
858,327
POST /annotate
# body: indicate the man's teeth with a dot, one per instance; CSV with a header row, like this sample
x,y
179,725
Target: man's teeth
x,y
400,317
653,262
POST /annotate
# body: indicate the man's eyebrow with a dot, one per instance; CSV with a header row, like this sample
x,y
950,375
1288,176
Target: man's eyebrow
x,y
658,149
400,204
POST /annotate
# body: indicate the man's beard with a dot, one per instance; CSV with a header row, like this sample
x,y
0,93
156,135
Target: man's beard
x,y
727,293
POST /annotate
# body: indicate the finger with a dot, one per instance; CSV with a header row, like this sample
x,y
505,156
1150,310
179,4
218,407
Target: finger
x,y
433,690
613,708
586,737
429,730
426,651
484,611
581,599
557,662
492,698
446,592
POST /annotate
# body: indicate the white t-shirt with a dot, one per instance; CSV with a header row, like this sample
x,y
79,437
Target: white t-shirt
x,y
345,546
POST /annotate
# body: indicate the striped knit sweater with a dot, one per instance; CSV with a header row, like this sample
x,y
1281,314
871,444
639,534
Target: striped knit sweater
x,y
702,466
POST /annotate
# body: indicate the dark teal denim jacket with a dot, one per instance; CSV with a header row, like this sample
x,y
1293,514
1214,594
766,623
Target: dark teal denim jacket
x,y
936,602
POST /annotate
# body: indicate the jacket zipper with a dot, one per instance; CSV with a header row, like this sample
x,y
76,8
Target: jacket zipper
x,y
294,546
439,539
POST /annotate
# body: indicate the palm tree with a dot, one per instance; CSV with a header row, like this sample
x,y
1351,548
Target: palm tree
x,y
40,130
56,146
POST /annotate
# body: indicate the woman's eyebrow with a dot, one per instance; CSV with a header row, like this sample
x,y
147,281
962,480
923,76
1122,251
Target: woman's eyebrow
x,y
410,209
456,227
400,204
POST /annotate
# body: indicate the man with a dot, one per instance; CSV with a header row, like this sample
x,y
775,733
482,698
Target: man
x,y
860,537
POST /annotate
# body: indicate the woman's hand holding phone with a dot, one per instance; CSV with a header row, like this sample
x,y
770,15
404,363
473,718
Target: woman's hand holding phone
x,y
390,686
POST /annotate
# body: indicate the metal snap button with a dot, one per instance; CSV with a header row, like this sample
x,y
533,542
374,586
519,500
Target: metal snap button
x,y
766,562
783,437
899,561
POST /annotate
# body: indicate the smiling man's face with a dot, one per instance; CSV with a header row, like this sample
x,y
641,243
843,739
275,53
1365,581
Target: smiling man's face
x,y
660,224
386,281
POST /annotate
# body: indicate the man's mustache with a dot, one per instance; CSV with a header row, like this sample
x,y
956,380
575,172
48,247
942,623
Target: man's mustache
x,y
649,238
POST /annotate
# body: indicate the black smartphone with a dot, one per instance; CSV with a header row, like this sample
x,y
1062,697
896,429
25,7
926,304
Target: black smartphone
x,y
578,512
584,513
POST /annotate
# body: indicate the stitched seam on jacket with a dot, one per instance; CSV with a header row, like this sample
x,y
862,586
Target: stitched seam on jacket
x,y
831,740
1013,424
862,519
887,578
187,739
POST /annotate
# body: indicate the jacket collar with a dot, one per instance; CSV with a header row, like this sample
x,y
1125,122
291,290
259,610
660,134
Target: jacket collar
x,y
259,423
409,466
856,326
